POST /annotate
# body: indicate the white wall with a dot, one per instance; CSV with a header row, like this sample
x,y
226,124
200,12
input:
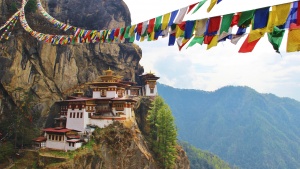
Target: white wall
x,y
96,94
77,123
112,94
55,144
148,91
76,146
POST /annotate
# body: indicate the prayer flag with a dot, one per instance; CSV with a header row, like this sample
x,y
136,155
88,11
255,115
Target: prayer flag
x,y
213,42
200,27
151,25
245,18
281,13
196,40
200,4
235,20
236,38
213,25
165,22
191,7
275,38
157,23
293,41
172,18
181,15
189,29
261,17
212,4
226,22
256,34
248,46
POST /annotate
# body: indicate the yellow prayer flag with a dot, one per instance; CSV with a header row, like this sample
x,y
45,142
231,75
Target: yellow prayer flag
x,y
131,30
212,4
271,21
179,32
282,12
214,42
165,22
293,41
256,34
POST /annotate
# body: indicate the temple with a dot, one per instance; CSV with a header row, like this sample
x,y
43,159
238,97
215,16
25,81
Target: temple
x,y
113,99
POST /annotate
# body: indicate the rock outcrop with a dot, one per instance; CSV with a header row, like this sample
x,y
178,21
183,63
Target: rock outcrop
x,y
50,71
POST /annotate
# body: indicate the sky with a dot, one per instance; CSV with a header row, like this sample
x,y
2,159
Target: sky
x,y
197,68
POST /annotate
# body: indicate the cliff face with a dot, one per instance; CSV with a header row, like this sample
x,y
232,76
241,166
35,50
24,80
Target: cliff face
x,y
51,71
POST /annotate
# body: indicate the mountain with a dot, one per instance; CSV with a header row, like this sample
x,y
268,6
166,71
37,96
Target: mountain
x,y
203,160
241,126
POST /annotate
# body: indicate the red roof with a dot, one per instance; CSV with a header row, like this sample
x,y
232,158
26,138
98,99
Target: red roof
x,y
73,136
40,139
57,130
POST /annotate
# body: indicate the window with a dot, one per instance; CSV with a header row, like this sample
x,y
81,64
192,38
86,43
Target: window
x,y
69,144
81,115
74,115
89,115
49,137
59,138
77,114
56,137
52,137
70,115
151,90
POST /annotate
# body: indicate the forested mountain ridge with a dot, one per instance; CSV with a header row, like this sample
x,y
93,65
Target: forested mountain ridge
x,y
240,125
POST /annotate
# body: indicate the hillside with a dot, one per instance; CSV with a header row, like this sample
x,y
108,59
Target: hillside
x,y
203,160
241,126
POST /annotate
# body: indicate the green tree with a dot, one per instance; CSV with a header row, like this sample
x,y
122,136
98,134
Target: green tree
x,y
163,133
31,6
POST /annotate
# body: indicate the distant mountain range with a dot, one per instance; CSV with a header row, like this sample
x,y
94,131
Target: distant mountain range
x,y
243,127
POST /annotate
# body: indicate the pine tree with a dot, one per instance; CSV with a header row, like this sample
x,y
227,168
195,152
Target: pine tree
x,y
163,133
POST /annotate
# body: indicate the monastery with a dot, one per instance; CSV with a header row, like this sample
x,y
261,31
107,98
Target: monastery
x,y
113,100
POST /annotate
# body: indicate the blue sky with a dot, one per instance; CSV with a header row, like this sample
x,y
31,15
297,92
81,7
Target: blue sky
x,y
198,68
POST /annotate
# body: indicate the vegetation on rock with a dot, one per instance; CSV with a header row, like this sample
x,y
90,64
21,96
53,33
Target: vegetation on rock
x,y
163,133
203,160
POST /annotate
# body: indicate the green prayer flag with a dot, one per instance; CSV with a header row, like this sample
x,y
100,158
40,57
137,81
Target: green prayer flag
x,y
127,32
226,22
132,38
245,18
275,38
157,23
199,6
195,40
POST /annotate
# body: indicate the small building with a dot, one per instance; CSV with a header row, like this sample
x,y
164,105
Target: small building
x,y
149,84
59,138
39,142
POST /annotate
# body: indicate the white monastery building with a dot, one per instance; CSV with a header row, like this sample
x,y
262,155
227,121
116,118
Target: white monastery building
x,y
112,100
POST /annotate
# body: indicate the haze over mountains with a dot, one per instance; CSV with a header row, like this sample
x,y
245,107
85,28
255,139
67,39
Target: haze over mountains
x,y
241,126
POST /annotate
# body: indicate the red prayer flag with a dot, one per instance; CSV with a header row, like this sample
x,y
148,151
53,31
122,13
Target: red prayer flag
x,y
248,46
117,32
207,39
139,28
235,20
151,25
214,24
191,7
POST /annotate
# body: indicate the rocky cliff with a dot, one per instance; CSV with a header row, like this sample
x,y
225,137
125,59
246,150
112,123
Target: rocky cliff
x,y
50,71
